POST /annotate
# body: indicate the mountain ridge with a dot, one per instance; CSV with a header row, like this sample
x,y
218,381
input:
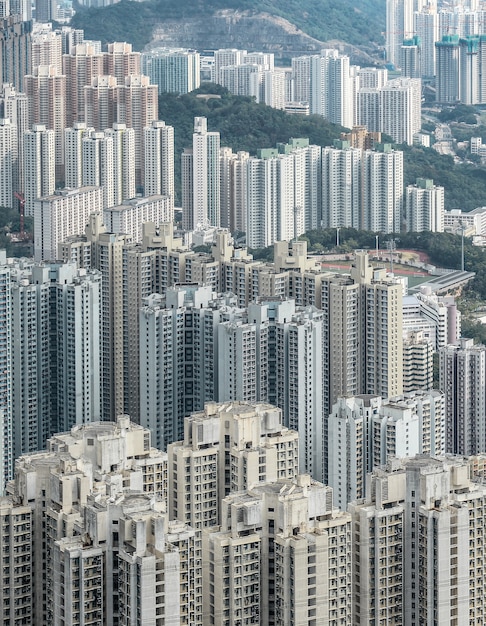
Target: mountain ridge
x,y
316,21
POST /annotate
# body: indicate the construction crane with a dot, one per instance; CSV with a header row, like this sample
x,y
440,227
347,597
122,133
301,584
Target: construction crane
x,y
21,199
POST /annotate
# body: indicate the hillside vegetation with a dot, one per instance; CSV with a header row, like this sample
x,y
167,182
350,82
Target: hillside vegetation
x,y
351,21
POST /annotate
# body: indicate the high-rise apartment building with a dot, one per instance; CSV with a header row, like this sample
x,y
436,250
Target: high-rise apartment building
x,y
39,162
123,141
233,199
271,352
201,178
81,65
362,188
341,186
282,192
104,159
469,70
46,92
383,189
6,407
418,362
324,81
437,317
393,108
426,27
462,376
15,48
227,447
52,346
224,57
399,26
410,57
296,548
417,538
46,47
106,255
372,77
173,70
177,358
73,150
14,106
62,215
100,102
424,207
159,160
364,431
121,61
95,530
401,109
447,63
137,108
127,218
8,150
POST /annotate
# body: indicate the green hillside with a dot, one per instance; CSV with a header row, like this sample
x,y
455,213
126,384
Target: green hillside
x,y
351,21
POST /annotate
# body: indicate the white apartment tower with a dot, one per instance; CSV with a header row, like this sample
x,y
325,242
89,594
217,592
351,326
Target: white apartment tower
x,y
283,192
469,70
8,150
124,141
401,109
98,165
426,26
372,77
176,377
159,160
226,448
73,149
399,26
341,186
55,375
383,188
366,430
6,408
381,349
95,529
301,79
224,57
425,510
14,106
51,348
129,217
418,362
173,70
462,376
424,207
339,100
104,159
411,54
201,179
324,81
297,547
39,161
262,201
107,256
59,216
